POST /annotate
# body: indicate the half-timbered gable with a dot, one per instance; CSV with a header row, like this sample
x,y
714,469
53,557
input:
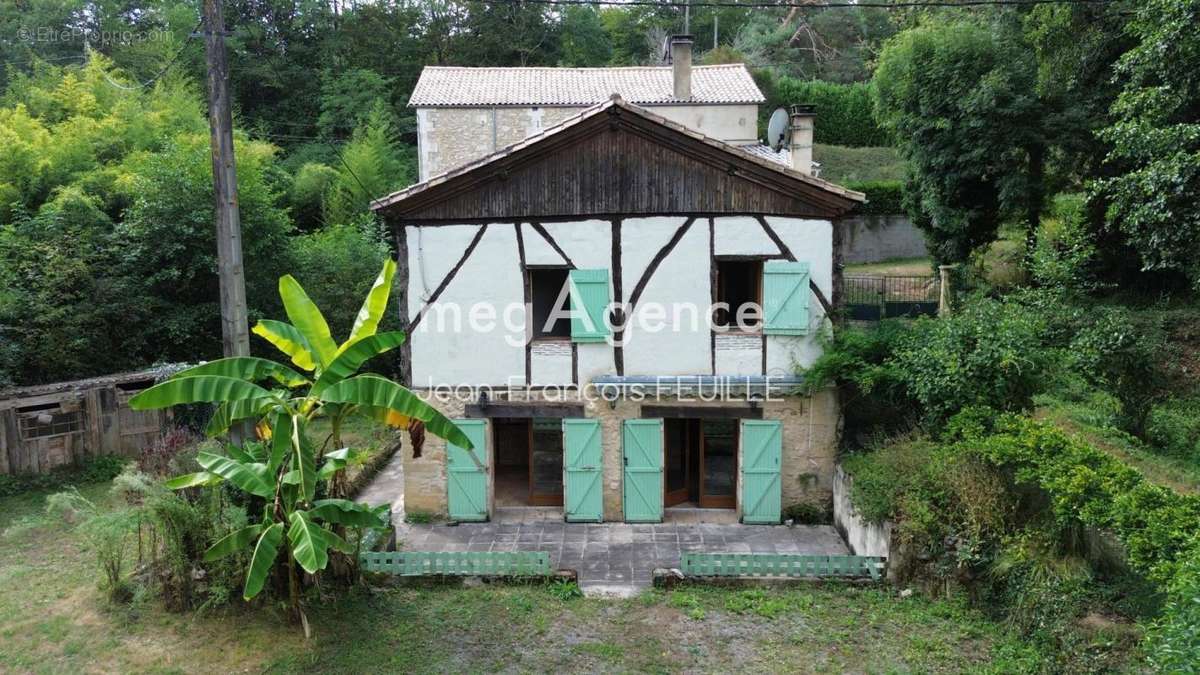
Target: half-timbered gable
x,y
652,237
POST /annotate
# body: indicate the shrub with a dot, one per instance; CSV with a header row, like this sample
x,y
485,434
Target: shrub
x,y
1065,255
96,470
809,513
844,111
1173,427
884,197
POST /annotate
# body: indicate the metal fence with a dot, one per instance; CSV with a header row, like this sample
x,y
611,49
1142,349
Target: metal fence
x,y
871,297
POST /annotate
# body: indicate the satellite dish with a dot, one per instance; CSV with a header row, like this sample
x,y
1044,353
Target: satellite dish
x,y
777,129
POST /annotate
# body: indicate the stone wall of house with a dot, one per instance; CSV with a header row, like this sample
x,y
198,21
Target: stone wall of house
x,y
810,430
450,137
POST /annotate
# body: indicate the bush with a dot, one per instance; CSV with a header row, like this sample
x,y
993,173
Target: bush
x,y
884,197
1173,428
1065,256
844,111
96,470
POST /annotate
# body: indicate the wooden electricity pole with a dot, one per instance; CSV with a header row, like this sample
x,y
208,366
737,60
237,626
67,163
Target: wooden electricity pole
x,y
235,329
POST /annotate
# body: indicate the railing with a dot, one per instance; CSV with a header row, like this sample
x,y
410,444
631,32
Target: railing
x,y
873,297
781,565
457,563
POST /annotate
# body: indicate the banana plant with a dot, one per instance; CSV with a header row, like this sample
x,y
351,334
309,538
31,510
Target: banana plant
x,y
285,468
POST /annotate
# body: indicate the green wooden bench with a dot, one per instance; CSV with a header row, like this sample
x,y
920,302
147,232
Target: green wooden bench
x,y
458,563
782,565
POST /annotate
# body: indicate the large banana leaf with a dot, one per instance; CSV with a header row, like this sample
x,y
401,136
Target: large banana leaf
x,y
288,340
304,460
248,368
234,411
233,542
311,542
345,512
251,477
264,558
348,362
188,480
373,307
337,460
380,392
305,316
384,416
199,389
281,440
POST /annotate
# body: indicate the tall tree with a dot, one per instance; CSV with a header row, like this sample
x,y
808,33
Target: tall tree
x,y
960,95
1156,139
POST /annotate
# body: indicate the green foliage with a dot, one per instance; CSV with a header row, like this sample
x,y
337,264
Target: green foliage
x,y
884,197
836,45
583,41
809,513
1066,256
348,97
334,258
285,471
961,98
372,165
844,165
1156,139
307,195
95,470
844,111
1173,426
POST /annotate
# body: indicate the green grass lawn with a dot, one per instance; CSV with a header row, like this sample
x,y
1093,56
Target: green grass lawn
x,y
841,164
54,619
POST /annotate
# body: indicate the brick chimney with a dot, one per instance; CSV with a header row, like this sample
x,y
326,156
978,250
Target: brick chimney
x,y
679,55
803,117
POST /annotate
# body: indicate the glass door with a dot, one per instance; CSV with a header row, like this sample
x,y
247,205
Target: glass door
x,y
718,463
677,438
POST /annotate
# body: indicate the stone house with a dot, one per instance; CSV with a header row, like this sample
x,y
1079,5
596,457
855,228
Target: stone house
x,y
615,306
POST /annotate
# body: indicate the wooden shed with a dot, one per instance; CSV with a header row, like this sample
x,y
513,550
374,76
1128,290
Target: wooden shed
x,y
50,425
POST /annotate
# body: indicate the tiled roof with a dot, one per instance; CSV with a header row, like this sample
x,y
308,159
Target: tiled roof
x,y
463,87
783,157
751,152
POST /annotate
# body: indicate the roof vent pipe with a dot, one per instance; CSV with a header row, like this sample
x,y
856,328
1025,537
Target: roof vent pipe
x,y
803,118
680,58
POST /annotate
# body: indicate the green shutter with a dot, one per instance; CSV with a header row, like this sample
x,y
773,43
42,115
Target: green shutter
x,y
785,298
643,493
762,446
466,480
583,496
589,301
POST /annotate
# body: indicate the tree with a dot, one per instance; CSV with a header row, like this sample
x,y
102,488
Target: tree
x,y
583,42
1156,140
961,98
372,165
285,472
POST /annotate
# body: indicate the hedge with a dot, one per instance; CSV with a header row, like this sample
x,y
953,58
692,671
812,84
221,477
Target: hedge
x,y
1159,528
845,115
884,197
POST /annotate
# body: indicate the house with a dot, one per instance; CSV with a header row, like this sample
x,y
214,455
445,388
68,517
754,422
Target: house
x,y
559,294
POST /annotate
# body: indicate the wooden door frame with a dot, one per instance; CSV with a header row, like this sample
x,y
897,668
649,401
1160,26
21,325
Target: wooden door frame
x,y
535,499
673,497
719,501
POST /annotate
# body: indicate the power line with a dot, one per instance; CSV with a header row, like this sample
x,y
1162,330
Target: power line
x,y
142,85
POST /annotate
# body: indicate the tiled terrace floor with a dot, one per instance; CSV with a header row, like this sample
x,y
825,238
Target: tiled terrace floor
x,y
619,557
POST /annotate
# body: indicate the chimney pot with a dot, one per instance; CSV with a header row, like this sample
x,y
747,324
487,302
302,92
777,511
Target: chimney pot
x,y
680,57
803,117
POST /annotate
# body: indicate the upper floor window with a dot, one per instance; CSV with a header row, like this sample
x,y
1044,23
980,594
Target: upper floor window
x,y
739,294
548,290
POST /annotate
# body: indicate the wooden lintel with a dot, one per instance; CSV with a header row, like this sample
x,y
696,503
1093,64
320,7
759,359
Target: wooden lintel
x,y
701,412
524,410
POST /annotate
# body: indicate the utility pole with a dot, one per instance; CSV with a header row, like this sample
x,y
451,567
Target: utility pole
x,y
235,330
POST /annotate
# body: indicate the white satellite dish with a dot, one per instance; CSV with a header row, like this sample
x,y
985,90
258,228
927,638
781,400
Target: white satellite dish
x,y
777,129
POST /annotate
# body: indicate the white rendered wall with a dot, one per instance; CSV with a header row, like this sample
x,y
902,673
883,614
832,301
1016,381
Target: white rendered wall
x,y
492,275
